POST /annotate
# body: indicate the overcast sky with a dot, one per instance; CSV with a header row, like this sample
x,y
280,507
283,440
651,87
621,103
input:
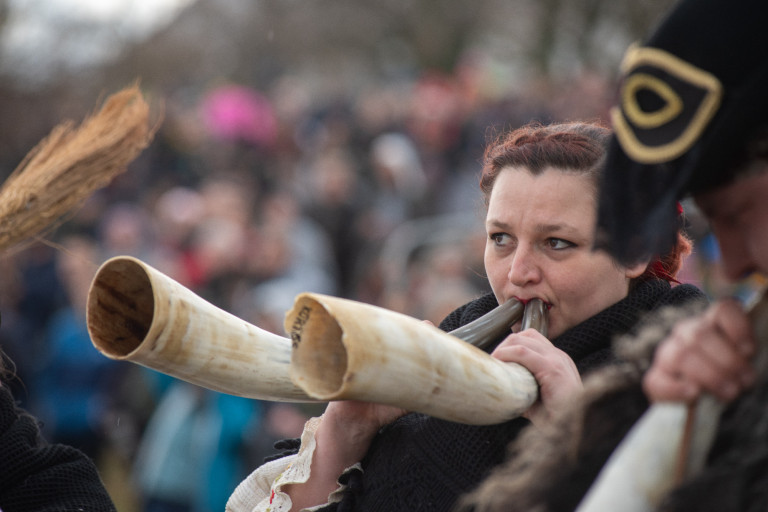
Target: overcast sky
x,y
138,14
38,38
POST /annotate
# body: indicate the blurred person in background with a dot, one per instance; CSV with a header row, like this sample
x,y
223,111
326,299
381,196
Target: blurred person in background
x,y
193,450
31,293
36,472
76,384
401,184
335,198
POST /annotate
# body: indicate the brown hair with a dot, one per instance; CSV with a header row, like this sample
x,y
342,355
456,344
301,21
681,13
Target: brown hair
x,y
577,147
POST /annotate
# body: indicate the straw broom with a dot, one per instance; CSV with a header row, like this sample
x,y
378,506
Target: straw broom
x,y
66,167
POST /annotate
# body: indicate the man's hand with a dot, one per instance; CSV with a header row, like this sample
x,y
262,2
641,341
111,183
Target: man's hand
x,y
709,353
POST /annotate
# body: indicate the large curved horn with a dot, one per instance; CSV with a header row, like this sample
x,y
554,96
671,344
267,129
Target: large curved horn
x,y
346,350
136,313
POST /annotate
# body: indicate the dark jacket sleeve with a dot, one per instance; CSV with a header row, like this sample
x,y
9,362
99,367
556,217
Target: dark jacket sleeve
x,y
36,476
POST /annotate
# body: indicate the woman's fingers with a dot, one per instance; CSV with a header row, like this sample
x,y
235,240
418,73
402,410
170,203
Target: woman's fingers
x,y
554,370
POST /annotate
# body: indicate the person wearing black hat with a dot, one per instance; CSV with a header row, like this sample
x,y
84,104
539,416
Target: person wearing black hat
x,y
693,121
691,100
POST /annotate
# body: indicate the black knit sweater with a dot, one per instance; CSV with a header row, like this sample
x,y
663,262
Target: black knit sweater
x,y
424,463
40,477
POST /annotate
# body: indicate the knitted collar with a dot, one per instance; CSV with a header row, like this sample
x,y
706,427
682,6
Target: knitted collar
x,y
596,332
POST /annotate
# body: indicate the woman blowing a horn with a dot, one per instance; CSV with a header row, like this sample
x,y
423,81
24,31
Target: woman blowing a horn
x,y
540,186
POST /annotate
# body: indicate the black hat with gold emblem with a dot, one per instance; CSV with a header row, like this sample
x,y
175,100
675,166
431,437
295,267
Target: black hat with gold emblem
x,y
691,97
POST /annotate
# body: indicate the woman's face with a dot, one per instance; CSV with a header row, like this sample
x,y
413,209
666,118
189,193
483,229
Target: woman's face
x,y
541,232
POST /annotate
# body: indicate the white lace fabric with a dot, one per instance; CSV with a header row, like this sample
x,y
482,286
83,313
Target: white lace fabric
x,y
261,490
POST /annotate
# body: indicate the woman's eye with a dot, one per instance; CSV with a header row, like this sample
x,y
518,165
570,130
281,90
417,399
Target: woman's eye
x,y
559,244
500,238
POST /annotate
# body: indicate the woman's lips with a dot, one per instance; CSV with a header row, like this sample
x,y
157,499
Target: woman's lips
x,y
526,301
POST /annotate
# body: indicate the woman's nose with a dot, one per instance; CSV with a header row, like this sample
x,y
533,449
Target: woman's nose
x,y
523,267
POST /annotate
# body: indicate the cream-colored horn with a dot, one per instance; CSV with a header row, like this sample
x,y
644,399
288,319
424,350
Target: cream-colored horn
x,y
347,350
136,313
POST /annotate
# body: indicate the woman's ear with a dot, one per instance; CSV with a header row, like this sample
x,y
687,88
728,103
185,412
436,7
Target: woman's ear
x,y
636,270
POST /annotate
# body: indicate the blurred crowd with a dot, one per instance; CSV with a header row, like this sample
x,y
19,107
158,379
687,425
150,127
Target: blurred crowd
x,y
248,198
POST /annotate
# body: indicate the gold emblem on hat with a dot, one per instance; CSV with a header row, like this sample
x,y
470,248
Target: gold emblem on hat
x,y
689,98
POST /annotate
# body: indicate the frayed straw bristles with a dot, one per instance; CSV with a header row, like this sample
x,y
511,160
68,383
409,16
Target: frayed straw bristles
x,y
66,167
